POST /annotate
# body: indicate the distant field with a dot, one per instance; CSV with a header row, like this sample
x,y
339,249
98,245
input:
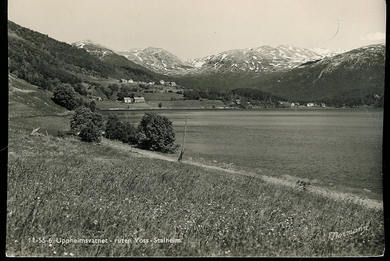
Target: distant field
x,y
166,104
188,104
108,104
162,96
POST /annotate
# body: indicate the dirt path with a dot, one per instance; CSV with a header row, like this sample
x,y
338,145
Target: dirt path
x,y
335,195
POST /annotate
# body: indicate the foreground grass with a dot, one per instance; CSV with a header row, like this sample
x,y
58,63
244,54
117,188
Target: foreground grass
x,y
63,188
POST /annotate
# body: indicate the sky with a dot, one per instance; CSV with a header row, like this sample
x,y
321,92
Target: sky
x,y
197,28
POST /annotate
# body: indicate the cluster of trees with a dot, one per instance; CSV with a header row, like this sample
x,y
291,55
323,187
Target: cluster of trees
x,y
65,96
154,132
255,96
125,91
199,94
356,100
87,124
118,130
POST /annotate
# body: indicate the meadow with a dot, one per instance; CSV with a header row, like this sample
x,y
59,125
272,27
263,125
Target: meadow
x,y
59,189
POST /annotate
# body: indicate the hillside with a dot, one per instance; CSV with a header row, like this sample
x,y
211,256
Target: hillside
x,y
108,56
355,77
47,62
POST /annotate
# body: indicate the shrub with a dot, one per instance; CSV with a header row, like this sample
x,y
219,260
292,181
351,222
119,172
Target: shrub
x,y
83,116
90,133
65,96
155,132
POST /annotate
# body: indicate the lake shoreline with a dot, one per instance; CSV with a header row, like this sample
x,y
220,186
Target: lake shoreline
x,y
238,109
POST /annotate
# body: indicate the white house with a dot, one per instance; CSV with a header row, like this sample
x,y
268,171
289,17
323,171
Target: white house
x,y
162,82
127,99
310,104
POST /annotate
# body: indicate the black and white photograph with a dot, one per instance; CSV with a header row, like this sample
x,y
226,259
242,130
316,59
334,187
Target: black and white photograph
x,y
195,128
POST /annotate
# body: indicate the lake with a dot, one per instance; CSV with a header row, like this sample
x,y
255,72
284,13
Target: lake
x,y
341,149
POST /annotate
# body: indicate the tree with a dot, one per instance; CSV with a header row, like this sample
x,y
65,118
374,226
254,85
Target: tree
x,y
65,96
129,133
113,87
90,133
97,119
80,88
83,116
155,132
114,128
160,104
123,131
125,92
191,95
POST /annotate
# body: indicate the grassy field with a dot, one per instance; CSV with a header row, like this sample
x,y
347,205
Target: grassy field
x,y
166,104
62,188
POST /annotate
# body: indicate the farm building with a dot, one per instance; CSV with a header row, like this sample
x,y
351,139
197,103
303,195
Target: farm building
x,y
128,100
126,81
310,104
96,98
139,99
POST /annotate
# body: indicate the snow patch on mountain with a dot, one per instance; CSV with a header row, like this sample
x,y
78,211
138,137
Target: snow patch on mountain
x,y
158,60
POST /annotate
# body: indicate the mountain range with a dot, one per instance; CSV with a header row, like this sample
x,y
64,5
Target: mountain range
x,y
257,60
290,72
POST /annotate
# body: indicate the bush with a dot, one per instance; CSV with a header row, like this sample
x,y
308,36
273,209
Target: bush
x,y
156,133
65,96
90,133
83,116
